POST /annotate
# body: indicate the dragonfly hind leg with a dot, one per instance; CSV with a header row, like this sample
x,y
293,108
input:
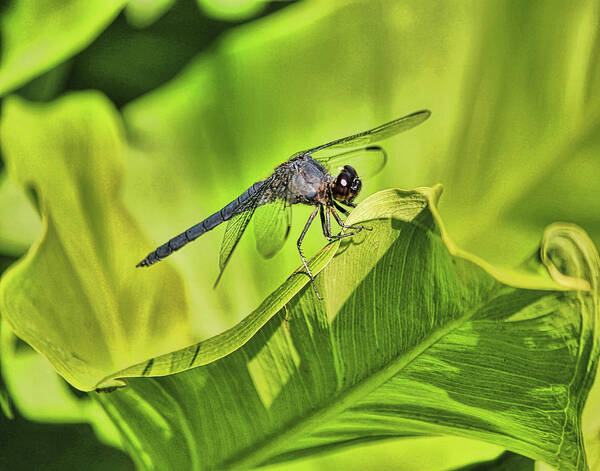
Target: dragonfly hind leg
x,y
299,245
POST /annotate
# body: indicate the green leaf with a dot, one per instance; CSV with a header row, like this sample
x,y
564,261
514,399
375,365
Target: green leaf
x,y
142,13
413,338
19,223
413,454
506,462
237,10
46,399
39,34
513,139
64,446
5,404
228,341
525,142
76,296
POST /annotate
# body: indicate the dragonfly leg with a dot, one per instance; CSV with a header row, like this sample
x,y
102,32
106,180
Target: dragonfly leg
x,y
325,223
357,229
341,209
299,245
345,212
338,219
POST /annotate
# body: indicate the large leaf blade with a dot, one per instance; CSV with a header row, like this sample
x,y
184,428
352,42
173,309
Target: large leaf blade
x,y
425,342
214,348
76,296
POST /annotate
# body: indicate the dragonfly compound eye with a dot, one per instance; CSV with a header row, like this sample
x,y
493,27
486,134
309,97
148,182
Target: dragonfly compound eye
x,y
347,185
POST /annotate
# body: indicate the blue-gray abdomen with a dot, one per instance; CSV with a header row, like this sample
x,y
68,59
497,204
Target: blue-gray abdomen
x,y
206,225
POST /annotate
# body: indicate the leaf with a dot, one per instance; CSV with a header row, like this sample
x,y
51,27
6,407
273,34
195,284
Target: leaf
x,y
525,143
238,10
413,453
412,338
76,296
19,223
5,404
38,394
57,446
142,13
228,341
506,462
513,134
39,34
125,62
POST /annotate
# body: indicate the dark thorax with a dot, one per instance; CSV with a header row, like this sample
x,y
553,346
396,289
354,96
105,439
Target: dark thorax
x,y
308,181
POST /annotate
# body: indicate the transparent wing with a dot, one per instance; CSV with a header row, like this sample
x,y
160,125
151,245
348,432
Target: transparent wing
x,y
272,224
367,162
239,222
233,233
376,134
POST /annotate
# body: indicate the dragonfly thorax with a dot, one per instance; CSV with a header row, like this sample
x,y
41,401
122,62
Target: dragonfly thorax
x,y
346,186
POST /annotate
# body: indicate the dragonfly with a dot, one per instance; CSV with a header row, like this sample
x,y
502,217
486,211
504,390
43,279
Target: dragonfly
x,y
324,177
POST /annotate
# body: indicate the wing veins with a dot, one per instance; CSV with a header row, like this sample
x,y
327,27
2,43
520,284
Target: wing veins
x,y
376,134
236,228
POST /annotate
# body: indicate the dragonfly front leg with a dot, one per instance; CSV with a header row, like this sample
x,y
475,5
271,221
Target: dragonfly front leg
x,y
341,209
339,220
326,225
299,245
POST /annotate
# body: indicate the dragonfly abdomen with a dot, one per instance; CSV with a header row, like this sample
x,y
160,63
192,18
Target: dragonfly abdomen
x,y
196,231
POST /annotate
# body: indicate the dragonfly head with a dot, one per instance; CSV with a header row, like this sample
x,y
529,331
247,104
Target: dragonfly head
x,y
346,186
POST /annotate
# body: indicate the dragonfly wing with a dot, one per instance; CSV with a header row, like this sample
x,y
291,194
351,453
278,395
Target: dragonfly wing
x,y
376,134
233,233
239,222
272,224
367,161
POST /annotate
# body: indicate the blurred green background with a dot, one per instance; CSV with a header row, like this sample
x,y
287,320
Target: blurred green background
x,y
212,95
